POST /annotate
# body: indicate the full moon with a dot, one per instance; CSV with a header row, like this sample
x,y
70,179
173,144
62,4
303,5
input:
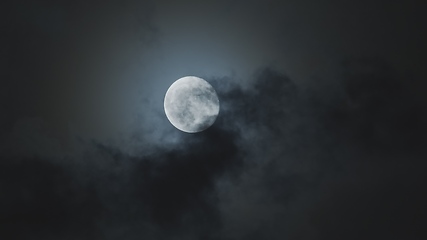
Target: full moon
x,y
191,104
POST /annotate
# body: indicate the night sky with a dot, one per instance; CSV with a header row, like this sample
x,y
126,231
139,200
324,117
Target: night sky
x,y
322,130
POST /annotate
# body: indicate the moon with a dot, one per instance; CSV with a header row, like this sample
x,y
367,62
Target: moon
x,y
191,104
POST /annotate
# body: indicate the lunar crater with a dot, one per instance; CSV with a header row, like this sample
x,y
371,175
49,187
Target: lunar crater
x,y
191,104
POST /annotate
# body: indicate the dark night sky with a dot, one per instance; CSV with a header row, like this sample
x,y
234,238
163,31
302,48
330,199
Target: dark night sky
x,y
321,134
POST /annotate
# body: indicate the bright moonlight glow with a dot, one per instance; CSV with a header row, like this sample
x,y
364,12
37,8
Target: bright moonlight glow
x,y
191,104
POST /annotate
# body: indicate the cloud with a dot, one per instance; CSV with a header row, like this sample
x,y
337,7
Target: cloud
x,y
365,132
40,200
280,161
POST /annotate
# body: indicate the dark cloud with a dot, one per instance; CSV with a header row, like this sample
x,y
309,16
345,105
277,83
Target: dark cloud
x,y
381,206
339,156
171,190
40,200
378,111
363,138
178,185
280,161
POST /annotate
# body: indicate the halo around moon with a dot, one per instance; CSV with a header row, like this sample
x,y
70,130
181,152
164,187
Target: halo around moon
x,y
191,104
